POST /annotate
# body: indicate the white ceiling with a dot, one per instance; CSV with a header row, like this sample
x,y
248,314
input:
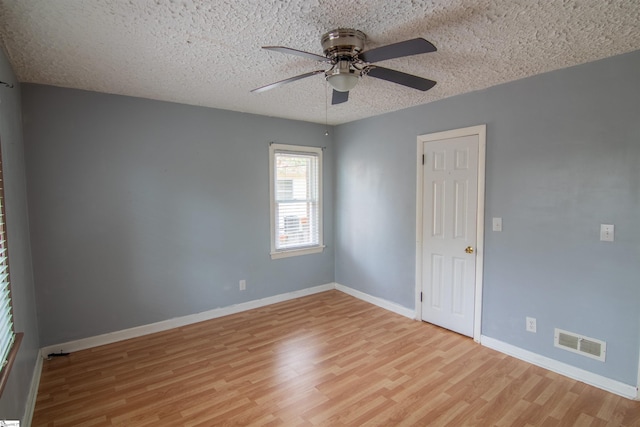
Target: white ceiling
x,y
208,52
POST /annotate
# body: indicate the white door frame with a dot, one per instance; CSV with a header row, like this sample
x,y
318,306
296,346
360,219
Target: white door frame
x,y
481,132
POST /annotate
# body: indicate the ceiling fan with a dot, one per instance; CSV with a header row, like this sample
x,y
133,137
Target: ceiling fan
x,y
343,51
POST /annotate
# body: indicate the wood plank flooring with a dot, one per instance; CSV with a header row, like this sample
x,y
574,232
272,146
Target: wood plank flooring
x,y
324,360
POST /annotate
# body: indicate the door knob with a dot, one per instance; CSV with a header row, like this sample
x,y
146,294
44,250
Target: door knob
x,y
469,250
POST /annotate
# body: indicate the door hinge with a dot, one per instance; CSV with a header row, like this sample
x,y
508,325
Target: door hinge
x,y
420,296
423,159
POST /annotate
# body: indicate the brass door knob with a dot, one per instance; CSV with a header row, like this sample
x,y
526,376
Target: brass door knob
x,y
469,250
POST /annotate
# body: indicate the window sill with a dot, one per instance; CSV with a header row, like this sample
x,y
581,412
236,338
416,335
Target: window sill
x,y
297,252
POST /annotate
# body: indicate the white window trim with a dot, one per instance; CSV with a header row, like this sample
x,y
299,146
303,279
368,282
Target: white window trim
x,y
285,253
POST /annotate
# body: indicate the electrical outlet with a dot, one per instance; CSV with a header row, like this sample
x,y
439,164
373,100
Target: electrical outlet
x,y
531,324
243,285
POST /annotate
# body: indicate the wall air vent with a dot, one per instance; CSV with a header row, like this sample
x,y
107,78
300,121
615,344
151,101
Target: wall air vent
x,y
580,344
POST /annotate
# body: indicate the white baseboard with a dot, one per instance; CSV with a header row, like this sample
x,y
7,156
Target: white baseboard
x,y
604,383
383,303
177,322
33,393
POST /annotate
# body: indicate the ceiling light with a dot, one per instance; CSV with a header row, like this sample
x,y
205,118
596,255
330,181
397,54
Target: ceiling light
x,y
343,82
342,77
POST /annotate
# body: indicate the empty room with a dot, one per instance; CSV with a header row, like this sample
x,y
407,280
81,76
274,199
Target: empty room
x,y
319,213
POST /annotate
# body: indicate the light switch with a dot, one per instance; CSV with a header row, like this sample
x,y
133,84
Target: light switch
x,y
497,224
606,232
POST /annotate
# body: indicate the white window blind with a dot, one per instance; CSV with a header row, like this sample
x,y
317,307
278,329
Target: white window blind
x,y
296,200
7,335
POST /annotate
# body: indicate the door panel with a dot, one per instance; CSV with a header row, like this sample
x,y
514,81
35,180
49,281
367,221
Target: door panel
x,y
436,281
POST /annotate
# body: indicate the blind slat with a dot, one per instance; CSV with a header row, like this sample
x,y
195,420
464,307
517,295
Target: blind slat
x,y
6,329
5,303
5,326
5,344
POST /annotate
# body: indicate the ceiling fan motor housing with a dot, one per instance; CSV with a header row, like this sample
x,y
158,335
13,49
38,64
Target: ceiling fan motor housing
x,y
343,43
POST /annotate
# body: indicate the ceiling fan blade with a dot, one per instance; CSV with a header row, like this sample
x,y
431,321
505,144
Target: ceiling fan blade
x,y
401,78
285,81
339,97
398,50
297,52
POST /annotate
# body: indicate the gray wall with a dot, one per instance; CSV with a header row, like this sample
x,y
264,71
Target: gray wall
x,y
143,211
14,397
563,156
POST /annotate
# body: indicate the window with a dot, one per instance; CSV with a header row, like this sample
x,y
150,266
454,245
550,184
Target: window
x,y
296,200
9,340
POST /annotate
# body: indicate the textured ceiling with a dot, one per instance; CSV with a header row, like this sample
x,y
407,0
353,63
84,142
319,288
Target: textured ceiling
x,y
208,52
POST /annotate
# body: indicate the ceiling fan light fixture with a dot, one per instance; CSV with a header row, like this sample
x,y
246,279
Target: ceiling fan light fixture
x,y
342,77
343,82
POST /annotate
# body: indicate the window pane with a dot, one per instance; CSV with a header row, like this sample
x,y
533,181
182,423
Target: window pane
x,y
296,201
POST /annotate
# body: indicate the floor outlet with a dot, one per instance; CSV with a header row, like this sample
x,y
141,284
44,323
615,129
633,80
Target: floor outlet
x,y
243,285
531,324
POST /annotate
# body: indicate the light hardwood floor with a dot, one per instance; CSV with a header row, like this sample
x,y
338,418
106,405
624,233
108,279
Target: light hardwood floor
x,y
323,360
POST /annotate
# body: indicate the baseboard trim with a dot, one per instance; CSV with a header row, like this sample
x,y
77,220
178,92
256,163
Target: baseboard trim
x,y
33,393
382,303
604,383
85,343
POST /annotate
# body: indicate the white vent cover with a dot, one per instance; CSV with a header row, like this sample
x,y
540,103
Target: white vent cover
x,y
580,344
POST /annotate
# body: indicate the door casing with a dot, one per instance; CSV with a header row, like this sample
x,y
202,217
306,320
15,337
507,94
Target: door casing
x,y
480,131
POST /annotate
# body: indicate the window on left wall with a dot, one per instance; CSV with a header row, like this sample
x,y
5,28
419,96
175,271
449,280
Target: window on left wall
x,y
9,339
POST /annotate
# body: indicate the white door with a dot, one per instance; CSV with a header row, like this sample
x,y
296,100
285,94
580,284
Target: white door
x,y
449,232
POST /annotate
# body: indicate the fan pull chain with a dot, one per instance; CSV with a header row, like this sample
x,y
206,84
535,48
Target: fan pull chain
x,y
326,108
